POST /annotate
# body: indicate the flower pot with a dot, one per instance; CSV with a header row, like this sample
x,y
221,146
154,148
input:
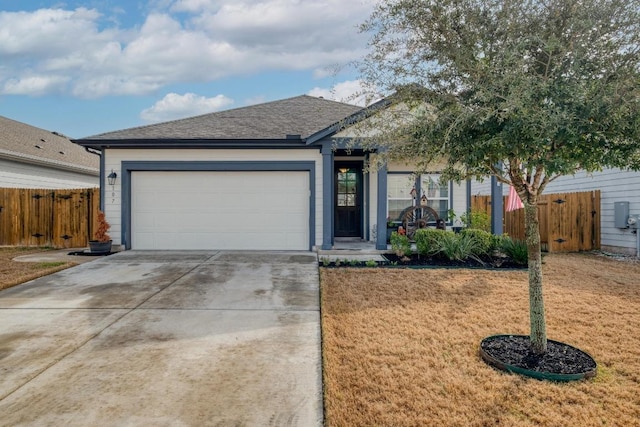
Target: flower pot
x,y
100,247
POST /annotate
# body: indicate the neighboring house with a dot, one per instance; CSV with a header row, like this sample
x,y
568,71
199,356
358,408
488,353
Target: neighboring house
x,y
268,176
36,158
615,186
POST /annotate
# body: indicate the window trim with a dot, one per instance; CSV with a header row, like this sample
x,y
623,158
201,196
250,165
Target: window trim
x,y
418,186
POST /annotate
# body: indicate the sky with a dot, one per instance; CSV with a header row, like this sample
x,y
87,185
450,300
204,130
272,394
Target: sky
x,y
86,67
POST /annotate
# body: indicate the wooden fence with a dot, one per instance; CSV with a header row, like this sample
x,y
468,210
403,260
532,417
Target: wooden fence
x,y
569,222
56,218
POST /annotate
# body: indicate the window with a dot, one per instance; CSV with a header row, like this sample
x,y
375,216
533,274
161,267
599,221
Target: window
x,y
399,195
347,182
437,194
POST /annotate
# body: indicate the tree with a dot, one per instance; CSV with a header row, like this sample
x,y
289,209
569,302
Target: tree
x,y
525,91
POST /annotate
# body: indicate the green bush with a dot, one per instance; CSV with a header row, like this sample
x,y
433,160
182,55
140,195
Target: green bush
x,y
516,250
400,244
477,219
427,240
486,241
458,247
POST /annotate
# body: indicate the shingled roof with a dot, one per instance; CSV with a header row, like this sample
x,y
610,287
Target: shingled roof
x,y
300,116
25,143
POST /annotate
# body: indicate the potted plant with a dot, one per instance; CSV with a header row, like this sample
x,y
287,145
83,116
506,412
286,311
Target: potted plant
x,y
102,242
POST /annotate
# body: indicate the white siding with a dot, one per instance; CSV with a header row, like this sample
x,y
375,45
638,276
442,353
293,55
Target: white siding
x,y
114,157
24,175
615,185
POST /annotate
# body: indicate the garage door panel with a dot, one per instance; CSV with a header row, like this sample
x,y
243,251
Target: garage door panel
x,y
220,210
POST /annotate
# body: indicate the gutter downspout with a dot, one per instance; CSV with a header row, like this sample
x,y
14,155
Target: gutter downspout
x,y
99,153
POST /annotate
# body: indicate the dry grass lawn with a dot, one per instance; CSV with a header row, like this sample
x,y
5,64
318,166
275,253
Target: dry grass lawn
x,y
400,346
13,272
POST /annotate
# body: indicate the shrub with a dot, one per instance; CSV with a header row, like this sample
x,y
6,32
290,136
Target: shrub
x,y
400,244
458,247
515,249
486,241
103,226
427,240
477,219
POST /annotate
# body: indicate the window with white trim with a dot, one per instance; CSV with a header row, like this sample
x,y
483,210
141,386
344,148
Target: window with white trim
x,y
437,194
399,197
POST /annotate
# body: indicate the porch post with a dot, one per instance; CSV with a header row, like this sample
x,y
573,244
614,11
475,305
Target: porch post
x,y
496,205
381,214
468,208
327,196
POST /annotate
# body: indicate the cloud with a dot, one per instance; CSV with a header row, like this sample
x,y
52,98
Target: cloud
x,y
174,106
35,85
350,92
181,41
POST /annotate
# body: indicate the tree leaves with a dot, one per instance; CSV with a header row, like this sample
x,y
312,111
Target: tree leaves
x,y
552,83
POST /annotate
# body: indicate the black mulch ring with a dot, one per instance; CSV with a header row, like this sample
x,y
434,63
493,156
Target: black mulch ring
x,y
561,362
482,262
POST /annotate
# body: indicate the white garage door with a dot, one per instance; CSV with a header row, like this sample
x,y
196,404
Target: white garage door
x,y
220,210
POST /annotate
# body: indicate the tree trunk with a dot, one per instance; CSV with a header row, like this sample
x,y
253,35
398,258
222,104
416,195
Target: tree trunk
x,y
536,303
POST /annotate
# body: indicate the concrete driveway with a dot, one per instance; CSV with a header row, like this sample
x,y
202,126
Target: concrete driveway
x,y
165,339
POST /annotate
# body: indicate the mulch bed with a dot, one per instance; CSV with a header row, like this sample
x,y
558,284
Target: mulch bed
x,y
416,261
560,361
89,253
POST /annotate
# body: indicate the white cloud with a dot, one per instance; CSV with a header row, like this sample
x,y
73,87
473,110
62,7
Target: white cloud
x,y
350,91
183,41
175,106
35,85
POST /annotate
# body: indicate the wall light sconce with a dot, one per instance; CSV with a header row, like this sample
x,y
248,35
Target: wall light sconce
x,y
112,177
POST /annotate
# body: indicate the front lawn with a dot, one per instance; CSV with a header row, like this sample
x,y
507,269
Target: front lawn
x,y
400,346
14,272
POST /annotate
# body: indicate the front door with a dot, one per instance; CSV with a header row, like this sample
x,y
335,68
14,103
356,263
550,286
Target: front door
x,y
348,200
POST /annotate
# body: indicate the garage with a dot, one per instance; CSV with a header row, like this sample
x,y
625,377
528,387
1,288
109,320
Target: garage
x,y
260,210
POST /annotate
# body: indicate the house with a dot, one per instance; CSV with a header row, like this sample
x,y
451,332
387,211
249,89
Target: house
x,y
31,157
280,176
615,186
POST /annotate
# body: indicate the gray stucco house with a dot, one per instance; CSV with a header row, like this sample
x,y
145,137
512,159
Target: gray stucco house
x,y
273,176
31,157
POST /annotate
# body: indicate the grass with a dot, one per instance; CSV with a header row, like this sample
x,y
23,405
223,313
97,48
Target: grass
x,y
400,347
13,272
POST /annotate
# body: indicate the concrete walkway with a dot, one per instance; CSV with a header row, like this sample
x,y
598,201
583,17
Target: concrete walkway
x,y
165,339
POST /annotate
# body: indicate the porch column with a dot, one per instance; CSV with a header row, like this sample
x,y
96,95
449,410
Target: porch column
x,y
381,213
327,196
496,205
468,208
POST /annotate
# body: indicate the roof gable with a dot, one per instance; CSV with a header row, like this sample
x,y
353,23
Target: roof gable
x,y
22,142
297,118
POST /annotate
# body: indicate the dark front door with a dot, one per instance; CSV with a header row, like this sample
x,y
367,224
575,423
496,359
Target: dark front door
x,y
348,200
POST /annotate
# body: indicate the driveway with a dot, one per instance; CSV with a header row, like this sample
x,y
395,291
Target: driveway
x,y
165,339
